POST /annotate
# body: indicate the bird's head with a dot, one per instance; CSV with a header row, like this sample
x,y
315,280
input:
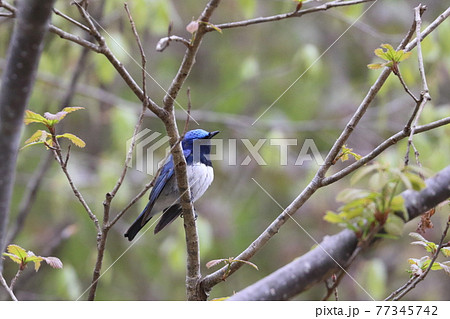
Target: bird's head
x,y
198,134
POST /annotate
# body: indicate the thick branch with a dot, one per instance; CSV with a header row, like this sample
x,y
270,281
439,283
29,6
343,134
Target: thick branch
x,y
17,83
333,252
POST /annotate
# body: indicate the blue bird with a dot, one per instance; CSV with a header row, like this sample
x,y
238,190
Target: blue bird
x,y
165,196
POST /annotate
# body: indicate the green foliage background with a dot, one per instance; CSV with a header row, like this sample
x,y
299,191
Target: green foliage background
x,y
238,74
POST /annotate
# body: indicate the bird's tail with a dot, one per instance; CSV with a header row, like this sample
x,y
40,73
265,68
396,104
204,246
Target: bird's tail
x,y
138,224
169,215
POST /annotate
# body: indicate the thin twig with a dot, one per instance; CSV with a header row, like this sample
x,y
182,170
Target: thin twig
x,y
10,8
14,280
399,290
74,38
186,124
293,14
380,148
163,43
9,290
424,95
73,21
418,279
418,12
59,158
400,77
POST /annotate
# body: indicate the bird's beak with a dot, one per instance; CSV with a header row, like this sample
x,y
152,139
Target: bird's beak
x,y
212,134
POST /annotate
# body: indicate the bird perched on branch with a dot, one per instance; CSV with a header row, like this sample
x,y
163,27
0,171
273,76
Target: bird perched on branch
x,y
165,196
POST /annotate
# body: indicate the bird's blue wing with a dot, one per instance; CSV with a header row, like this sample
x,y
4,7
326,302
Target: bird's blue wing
x,y
164,176
188,155
166,173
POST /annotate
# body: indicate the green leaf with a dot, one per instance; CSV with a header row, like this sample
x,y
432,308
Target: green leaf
x,y
405,180
74,139
394,225
18,251
390,55
404,55
40,135
36,259
416,182
413,261
30,144
71,109
353,212
31,117
445,251
350,194
377,181
13,258
333,218
387,46
359,174
418,237
381,54
375,66
435,266
429,245
398,205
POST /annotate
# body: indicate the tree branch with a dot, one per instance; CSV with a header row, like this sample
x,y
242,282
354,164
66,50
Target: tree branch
x,y
380,148
8,289
424,95
334,251
293,14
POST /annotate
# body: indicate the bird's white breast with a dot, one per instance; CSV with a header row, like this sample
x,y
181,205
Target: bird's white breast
x,y
200,176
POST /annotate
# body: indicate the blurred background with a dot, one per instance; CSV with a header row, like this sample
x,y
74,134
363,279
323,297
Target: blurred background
x,y
238,75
